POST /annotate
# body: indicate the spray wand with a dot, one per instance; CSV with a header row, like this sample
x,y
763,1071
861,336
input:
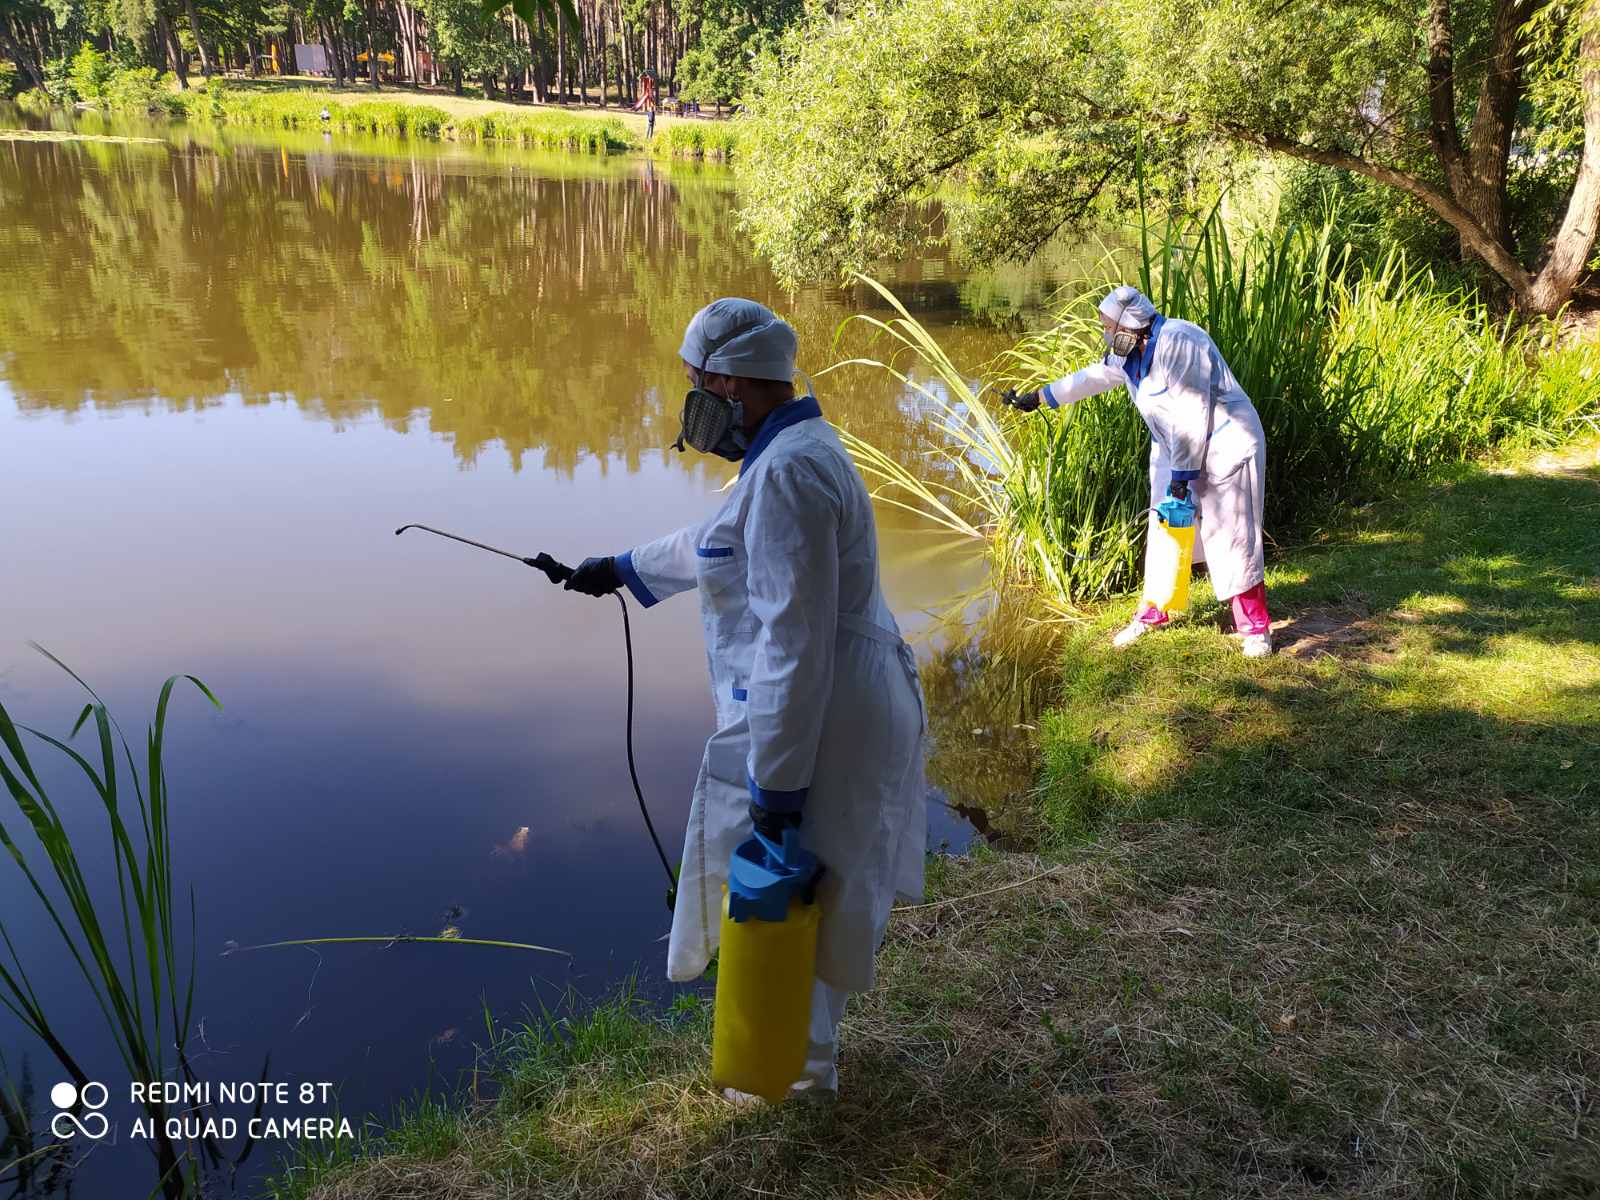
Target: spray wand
x,y
559,572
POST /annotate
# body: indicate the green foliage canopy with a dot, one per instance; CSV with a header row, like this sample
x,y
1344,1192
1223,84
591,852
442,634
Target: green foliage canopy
x,y
732,35
1035,106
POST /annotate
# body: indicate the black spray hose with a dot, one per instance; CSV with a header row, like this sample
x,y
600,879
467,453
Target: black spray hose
x,y
559,572
633,770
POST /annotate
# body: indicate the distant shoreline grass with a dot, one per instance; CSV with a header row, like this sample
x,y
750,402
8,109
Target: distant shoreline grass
x,y
403,116
412,114
1321,924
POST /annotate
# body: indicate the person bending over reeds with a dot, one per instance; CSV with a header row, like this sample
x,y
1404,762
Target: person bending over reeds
x,y
1206,444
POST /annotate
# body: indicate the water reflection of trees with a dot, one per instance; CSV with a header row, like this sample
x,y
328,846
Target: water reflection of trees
x,y
986,691
539,311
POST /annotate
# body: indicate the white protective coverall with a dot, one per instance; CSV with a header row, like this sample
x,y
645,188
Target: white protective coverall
x,y
818,704
1181,375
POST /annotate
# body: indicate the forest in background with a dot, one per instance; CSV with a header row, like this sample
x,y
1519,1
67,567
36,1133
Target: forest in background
x,y
587,51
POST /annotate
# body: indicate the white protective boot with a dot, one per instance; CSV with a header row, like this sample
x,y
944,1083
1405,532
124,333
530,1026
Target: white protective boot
x,y
1134,630
1257,645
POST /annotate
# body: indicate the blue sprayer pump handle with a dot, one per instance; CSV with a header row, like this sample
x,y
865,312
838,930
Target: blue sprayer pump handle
x,y
764,876
1175,513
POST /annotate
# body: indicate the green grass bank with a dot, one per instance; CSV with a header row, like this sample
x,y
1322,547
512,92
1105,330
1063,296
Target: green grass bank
x,y
1319,925
394,112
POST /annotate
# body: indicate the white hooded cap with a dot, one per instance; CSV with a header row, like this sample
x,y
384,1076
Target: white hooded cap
x,y
1128,307
740,338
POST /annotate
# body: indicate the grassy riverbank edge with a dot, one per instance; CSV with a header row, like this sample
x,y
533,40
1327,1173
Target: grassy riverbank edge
x,y
407,113
1322,924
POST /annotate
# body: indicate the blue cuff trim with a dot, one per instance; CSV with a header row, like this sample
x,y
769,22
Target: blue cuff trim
x,y
714,551
741,694
642,594
1048,398
775,801
1184,476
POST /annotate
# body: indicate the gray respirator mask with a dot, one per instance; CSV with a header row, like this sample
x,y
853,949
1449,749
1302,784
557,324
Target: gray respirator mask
x,y
1123,342
713,424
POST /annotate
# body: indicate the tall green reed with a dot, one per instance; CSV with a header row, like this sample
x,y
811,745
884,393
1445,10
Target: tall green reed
x,y
958,482
130,957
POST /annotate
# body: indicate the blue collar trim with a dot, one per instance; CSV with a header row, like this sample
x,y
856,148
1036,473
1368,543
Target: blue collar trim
x,y
1137,369
801,408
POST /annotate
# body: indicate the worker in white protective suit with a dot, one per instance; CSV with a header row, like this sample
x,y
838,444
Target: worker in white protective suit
x,y
819,711
1206,442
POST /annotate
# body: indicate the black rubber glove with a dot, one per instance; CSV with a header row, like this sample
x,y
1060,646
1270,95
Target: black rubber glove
x,y
771,825
595,577
1178,489
1025,402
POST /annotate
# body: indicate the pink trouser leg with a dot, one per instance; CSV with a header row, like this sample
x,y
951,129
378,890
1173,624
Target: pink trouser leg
x,y
1250,610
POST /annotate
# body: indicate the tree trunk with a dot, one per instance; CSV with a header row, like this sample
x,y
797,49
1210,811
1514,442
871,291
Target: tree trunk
x,y
19,53
402,46
600,40
372,50
580,52
175,56
1489,143
541,81
625,73
1573,242
255,66
561,60
199,41
330,46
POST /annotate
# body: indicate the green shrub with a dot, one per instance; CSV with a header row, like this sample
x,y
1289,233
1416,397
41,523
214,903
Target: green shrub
x,y
10,83
89,76
142,89
721,141
57,79
35,100
698,139
685,141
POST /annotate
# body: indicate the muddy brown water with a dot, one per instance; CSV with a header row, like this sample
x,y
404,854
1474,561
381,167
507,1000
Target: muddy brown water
x,y
230,366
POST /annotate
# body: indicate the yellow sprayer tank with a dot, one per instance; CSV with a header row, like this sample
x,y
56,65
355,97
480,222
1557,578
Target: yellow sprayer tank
x,y
765,968
1169,557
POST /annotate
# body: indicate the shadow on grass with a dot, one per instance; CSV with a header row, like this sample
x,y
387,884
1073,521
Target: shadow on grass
x,y
1493,554
1442,650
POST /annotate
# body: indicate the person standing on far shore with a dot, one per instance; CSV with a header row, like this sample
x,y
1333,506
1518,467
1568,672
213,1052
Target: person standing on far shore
x,y
647,102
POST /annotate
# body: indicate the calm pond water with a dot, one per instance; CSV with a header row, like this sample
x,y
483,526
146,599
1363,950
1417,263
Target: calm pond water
x,y
229,368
